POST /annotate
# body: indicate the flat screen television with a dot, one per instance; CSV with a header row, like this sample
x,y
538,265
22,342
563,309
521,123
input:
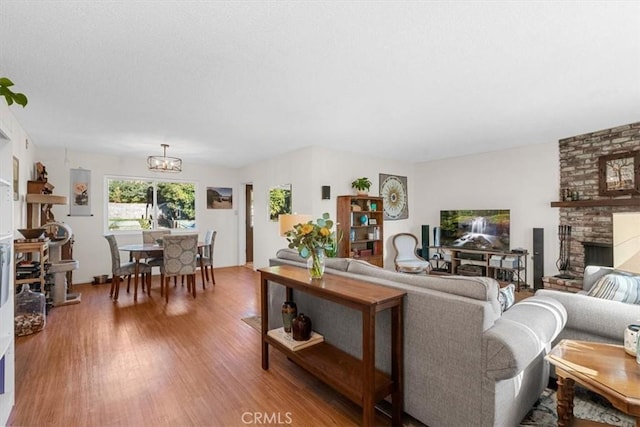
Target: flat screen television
x,y
475,229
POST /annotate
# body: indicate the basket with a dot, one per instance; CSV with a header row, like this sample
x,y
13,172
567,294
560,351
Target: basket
x,y
101,279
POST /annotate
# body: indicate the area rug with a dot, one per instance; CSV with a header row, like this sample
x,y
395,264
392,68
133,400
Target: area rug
x,y
586,405
254,321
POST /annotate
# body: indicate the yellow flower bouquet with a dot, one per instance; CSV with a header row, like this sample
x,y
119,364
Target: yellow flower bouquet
x,y
311,239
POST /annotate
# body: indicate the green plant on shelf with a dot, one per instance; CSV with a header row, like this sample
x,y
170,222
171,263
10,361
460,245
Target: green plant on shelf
x,y
361,184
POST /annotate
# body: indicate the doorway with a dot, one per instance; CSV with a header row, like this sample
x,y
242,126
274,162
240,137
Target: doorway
x,y
248,221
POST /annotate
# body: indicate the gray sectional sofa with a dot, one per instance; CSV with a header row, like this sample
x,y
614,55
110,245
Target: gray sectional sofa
x,y
465,362
590,318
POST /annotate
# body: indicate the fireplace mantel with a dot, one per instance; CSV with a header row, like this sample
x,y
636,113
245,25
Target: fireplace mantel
x,y
596,203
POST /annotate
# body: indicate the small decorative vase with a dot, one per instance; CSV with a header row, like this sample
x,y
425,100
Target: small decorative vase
x,y
301,326
631,339
315,263
289,312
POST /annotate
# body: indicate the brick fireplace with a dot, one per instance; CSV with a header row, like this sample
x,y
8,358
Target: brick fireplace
x,y
590,217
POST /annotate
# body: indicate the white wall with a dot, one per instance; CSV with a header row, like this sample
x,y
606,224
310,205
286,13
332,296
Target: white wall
x,y
308,170
90,247
524,180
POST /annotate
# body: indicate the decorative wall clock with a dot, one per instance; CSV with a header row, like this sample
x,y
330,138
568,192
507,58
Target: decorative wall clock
x,y
393,190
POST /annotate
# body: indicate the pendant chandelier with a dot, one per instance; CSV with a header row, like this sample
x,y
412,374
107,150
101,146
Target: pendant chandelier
x,y
164,163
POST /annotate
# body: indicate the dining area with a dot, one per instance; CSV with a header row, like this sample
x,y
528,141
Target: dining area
x,y
176,256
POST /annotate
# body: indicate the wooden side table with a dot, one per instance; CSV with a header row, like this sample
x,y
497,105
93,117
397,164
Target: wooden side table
x,y
357,379
602,368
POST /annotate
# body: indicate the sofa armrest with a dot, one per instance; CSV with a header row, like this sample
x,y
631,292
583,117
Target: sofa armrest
x,y
595,316
519,336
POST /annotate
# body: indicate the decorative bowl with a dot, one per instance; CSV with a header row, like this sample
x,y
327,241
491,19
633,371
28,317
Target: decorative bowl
x,y
32,233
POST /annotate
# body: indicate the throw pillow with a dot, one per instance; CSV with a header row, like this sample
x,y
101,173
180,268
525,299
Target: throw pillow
x,y
507,296
617,287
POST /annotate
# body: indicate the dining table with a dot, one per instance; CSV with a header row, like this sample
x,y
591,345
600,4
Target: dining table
x,y
138,251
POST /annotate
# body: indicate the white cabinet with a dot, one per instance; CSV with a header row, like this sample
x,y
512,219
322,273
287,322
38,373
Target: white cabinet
x,y
7,341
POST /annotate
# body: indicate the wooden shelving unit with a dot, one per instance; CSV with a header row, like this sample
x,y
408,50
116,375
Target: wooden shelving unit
x,y
42,250
362,238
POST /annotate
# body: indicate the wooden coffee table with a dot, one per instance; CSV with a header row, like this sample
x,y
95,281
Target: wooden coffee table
x,y
602,368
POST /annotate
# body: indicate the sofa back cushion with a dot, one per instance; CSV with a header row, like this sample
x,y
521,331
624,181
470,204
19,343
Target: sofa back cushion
x,y
333,263
480,288
617,287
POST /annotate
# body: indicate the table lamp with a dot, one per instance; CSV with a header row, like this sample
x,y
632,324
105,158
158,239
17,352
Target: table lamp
x,y
288,221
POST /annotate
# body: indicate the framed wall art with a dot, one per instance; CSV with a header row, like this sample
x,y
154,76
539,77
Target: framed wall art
x,y
219,198
619,174
279,201
80,192
393,190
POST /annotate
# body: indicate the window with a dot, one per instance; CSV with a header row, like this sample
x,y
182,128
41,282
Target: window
x,y
143,203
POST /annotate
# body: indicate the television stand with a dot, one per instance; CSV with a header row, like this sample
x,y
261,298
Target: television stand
x,y
504,266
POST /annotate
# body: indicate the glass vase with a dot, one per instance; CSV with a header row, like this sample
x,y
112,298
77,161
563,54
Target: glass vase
x,y
315,263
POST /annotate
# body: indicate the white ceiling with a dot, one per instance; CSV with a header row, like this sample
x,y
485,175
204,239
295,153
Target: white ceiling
x,y
234,82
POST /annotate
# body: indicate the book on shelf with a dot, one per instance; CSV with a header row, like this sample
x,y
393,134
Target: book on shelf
x,y
287,340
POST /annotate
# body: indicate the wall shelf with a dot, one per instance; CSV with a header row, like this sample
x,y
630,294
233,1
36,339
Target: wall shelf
x,y
596,203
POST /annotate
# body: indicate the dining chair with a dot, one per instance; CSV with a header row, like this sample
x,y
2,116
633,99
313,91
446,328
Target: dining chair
x,y
118,269
406,259
154,259
205,259
180,251
151,236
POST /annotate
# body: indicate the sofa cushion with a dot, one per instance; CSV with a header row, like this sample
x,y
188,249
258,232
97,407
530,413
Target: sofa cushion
x,y
617,287
333,263
480,288
507,296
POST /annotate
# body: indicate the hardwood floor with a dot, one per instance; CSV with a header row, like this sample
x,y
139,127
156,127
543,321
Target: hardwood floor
x,y
189,362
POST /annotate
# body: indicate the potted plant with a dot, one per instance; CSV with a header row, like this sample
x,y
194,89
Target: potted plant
x,y
9,95
362,185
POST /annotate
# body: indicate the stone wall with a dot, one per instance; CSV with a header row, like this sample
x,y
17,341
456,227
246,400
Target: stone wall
x,y
579,172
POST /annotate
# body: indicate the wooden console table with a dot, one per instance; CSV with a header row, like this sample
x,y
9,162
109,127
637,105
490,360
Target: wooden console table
x,y
602,368
357,379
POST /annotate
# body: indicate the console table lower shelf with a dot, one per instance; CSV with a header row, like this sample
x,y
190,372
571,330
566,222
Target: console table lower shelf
x,y
357,379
